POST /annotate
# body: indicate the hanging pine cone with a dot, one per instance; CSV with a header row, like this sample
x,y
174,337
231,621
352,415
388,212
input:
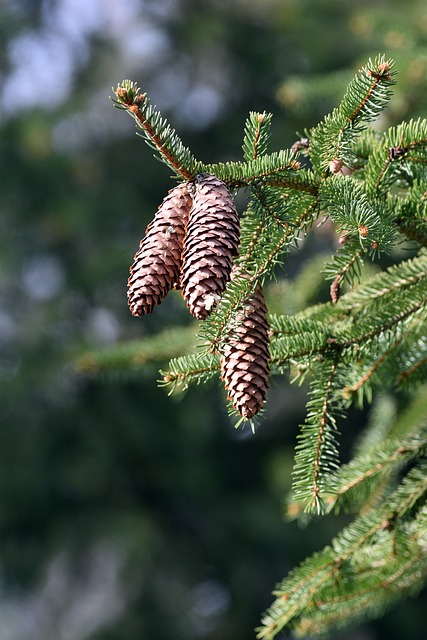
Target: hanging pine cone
x,y
211,242
245,357
157,262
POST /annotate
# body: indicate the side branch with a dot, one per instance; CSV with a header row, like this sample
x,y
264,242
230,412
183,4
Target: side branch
x,y
158,133
363,337
160,143
323,425
278,169
414,229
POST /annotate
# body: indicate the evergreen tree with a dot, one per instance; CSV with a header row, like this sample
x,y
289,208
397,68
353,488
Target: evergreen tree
x,y
369,337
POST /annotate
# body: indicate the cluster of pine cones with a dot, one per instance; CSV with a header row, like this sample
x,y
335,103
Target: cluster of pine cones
x,y
190,245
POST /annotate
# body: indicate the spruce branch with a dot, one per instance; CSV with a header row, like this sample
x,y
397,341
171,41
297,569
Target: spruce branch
x,y
411,211
413,374
278,169
345,572
395,280
395,159
404,574
296,341
373,187
346,265
394,316
183,371
413,229
360,387
374,309
382,364
156,130
257,135
133,356
345,200
359,479
366,96
316,453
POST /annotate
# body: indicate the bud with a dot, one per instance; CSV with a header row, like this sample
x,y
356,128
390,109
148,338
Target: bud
x,y
335,289
335,165
363,231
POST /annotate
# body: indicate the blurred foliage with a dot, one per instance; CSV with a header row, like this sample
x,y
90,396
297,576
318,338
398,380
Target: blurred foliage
x,y
187,511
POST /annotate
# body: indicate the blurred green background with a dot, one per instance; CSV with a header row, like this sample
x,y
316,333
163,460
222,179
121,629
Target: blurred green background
x,y
125,514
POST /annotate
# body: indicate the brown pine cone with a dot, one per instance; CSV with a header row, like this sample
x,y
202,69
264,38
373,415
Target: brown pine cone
x,y
157,262
245,357
212,240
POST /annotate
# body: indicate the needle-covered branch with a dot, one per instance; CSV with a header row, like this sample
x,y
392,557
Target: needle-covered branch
x,y
367,340
156,130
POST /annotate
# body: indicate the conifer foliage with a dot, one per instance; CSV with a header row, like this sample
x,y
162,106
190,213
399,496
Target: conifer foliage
x,y
369,338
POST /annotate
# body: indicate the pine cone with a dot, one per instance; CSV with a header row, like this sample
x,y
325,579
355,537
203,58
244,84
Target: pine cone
x,y
245,358
157,262
211,242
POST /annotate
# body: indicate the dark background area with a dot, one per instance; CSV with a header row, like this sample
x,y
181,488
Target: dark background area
x,y
125,514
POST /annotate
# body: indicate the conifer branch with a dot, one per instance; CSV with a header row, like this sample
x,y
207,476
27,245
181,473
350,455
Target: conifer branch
x,y
355,388
183,371
293,340
346,202
416,370
356,481
411,212
156,130
395,280
413,229
394,159
256,135
276,169
316,453
384,362
366,96
345,265
336,575
133,356
374,189
380,307
376,326
332,613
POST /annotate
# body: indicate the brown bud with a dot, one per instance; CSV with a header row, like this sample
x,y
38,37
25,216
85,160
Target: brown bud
x,y
381,72
363,231
335,165
302,143
394,153
335,289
